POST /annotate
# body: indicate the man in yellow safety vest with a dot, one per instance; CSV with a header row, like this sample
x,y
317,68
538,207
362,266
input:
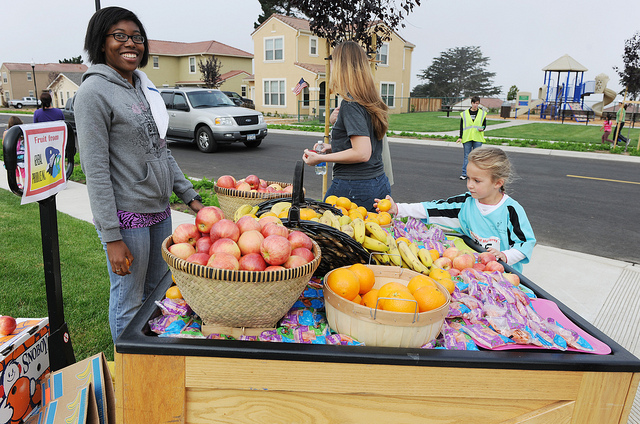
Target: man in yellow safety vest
x,y
473,122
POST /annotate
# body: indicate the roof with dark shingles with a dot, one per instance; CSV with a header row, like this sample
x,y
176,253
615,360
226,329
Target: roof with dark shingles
x,y
50,67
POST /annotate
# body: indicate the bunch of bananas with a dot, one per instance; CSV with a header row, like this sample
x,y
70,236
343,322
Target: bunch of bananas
x,y
243,210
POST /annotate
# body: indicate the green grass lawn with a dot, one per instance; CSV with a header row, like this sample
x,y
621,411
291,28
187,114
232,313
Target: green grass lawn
x,y
85,282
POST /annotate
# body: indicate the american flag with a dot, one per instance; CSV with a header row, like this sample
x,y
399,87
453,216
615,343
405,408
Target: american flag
x,y
300,86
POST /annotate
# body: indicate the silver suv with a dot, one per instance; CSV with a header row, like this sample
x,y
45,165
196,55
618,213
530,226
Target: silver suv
x,y
210,118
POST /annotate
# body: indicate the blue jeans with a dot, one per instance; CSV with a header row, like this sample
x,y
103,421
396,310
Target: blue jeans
x,y
148,269
362,192
468,147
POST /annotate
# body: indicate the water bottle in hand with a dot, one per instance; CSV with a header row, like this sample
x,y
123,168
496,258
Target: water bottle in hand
x,y
321,168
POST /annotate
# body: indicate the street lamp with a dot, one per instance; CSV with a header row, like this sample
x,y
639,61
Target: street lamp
x,y
35,87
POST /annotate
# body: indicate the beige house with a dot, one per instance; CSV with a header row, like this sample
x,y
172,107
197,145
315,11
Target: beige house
x,y
286,51
64,87
176,64
17,79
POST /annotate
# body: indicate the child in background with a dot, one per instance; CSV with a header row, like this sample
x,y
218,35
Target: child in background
x,y
20,172
606,127
485,213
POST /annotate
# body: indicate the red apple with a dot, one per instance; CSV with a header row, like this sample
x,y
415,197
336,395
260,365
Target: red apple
x,y
486,257
443,262
263,183
200,258
203,244
451,253
295,261
300,239
303,252
186,233
264,220
275,249
226,181
248,222
225,228
453,272
512,278
252,262
225,245
275,268
250,241
262,190
275,186
463,261
288,189
479,266
243,186
253,181
273,228
493,266
223,261
182,250
207,216
7,325
270,189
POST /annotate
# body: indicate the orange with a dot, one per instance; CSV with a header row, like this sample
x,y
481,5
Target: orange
x,y
365,276
268,214
384,205
173,292
343,210
439,274
434,254
357,299
429,298
384,218
420,281
307,213
370,298
448,284
331,199
401,302
344,282
344,202
392,287
353,206
363,211
353,214
373,218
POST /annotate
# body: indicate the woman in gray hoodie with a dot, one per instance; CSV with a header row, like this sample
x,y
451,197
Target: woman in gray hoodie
x,y
122,122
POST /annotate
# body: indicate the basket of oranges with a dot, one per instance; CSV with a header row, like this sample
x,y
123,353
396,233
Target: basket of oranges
x,y
385,306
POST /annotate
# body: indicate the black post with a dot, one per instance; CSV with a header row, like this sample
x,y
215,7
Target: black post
x,y
35,87
97,5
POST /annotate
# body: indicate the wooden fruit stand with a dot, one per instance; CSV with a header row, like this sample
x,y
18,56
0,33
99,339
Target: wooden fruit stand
x,y
168,380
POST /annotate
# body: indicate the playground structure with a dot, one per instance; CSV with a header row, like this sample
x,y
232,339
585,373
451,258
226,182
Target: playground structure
x,y
565,92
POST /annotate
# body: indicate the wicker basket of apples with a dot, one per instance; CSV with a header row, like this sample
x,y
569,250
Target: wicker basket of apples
x,y
240,274
250,190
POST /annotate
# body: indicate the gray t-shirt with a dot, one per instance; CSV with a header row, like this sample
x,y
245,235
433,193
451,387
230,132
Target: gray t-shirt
x,y
354,119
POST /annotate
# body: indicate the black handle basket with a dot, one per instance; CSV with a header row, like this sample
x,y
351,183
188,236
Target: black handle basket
x,y
337,248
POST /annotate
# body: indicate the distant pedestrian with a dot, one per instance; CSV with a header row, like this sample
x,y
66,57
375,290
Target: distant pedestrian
x,y
606,127
473,122
47,113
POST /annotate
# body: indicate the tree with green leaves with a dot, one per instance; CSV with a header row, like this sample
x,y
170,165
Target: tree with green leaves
x,y
513,93
269,7
357,20
630,74
210,70
458,72
77,60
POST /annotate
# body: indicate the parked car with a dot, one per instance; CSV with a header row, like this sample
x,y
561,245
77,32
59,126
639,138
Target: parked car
x,y
69,116
209,118
25,101
239,100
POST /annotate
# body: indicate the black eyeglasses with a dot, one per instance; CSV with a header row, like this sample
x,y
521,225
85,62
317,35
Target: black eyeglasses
x,y
123,38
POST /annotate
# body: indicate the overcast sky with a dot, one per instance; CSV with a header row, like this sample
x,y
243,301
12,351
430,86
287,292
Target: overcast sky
x,y
519,37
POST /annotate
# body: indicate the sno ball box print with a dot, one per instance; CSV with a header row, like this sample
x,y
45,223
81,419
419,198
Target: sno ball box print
x,y
45,145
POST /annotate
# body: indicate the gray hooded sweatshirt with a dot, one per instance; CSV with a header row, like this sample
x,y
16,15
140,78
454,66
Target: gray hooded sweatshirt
x,y
127,165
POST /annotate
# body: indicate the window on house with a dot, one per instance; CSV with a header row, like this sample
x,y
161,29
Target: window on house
x,y
274,49
156,62
243,90
192,65
29,78
313,46
274,92
4,78
61,99
383,54
68,95
305,97
387,92
31,93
